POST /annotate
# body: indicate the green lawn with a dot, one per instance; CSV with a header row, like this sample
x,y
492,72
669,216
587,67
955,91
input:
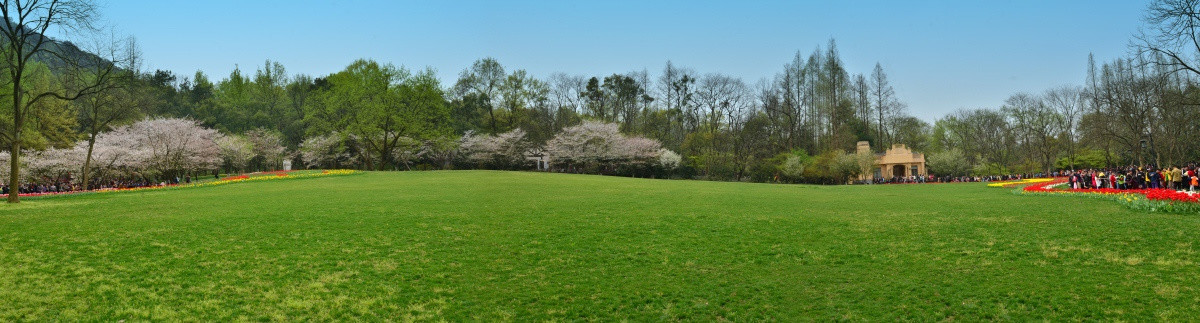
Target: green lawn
x,y
480,245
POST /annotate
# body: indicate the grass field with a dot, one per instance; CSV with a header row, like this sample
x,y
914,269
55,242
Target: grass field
x,y
464,245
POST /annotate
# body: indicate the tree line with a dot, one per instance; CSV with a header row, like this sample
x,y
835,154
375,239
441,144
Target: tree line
x,y
798,125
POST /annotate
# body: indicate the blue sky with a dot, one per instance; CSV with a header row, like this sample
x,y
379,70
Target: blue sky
x,y
940,55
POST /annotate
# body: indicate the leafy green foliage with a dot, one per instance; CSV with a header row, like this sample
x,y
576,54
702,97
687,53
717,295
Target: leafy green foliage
x,y
379,105
1089,158
948,163
48,123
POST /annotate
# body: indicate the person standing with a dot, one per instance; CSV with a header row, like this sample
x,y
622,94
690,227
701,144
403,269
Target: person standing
x,y
1136,181
1176,178
1151,179
1166,175
1156,179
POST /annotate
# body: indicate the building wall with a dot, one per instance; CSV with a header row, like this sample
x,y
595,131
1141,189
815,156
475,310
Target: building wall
x,y
897,155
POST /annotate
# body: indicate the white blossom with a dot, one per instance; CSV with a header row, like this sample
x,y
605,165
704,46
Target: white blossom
x,y
173,145
320,151
54,163
236,151
600,144
505,150
268,148
669,159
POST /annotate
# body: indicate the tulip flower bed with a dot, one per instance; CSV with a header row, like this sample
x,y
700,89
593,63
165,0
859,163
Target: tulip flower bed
x,y
280,173
1150,200
254,177
1020,182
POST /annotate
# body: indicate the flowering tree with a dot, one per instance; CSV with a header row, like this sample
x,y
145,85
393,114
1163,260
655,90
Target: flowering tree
x,y
504,151
407,150
5,158
794,165
55,164
117,152
637,151
236,151
601,146
333,150
156,146
951,162
668,159
175,146
589,143
441,150
269,152
323,151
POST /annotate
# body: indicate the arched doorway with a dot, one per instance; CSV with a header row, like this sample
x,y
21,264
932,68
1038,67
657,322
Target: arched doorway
x,y
898,170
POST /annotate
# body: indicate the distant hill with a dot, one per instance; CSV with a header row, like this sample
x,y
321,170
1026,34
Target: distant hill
x,y
67,49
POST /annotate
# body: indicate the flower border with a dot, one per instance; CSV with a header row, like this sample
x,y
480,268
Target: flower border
x,y
277,175
1019,182
1148,200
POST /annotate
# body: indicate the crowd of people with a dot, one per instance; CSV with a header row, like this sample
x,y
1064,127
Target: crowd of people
x,y
1123,178
43,187
951,179
1132,178
66,184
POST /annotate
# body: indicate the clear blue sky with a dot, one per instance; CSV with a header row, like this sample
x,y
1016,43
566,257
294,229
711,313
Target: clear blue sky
x,y
940,55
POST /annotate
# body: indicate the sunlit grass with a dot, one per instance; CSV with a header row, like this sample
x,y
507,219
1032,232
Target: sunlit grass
x,y
465,245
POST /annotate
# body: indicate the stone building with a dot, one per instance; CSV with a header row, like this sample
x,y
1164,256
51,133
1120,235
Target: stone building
x,y
897,161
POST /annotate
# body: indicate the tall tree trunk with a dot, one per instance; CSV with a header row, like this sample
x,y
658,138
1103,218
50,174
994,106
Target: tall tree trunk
x,y
14,173
492,115
14,182
87,162
366,156
384,160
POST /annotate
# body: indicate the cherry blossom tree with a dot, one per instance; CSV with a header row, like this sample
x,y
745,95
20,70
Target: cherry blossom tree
x,y
407,150
323,151
236,150
117,153
157,146
441,151
588,144
668,159
55,164
637,151
176,146
6,158
504,151
269,152
601,147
